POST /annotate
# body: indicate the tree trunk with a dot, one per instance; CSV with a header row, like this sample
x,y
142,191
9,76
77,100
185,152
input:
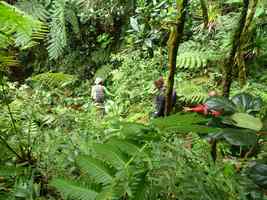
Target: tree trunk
x,y
205,13
175,38
245,37
236,42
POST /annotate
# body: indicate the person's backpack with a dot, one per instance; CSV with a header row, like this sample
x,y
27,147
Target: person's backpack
x,y
98,95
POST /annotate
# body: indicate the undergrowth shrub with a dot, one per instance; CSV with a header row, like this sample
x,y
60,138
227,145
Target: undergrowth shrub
x,y
131,92
127,167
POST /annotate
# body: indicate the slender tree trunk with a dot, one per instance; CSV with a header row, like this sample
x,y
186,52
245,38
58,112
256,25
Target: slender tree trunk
x,y
245,37
205,13
175,38
236,42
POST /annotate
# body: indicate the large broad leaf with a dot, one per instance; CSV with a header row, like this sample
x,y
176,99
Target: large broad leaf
x,y
238,137
245,102
220,103
244,120
258,174
184,123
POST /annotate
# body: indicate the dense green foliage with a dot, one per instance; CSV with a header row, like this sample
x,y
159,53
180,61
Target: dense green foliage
x,y
56,145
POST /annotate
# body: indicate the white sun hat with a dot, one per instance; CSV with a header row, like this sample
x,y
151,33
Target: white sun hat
x,y
98,80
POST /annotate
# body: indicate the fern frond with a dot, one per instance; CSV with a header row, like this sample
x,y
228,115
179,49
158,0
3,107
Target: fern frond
x,y
192,60
53,80
57,36
20,26
194,56
141,187
189,92
74,190
34,8
85,4
128,147
106,194
7,61
110,154
95,169
5,40
71,18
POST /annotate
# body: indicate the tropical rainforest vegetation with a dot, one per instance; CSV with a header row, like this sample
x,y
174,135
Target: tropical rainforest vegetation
x,y
54,143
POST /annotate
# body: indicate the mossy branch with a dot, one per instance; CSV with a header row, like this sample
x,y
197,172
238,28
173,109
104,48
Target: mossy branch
x,y
175,38
236,42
